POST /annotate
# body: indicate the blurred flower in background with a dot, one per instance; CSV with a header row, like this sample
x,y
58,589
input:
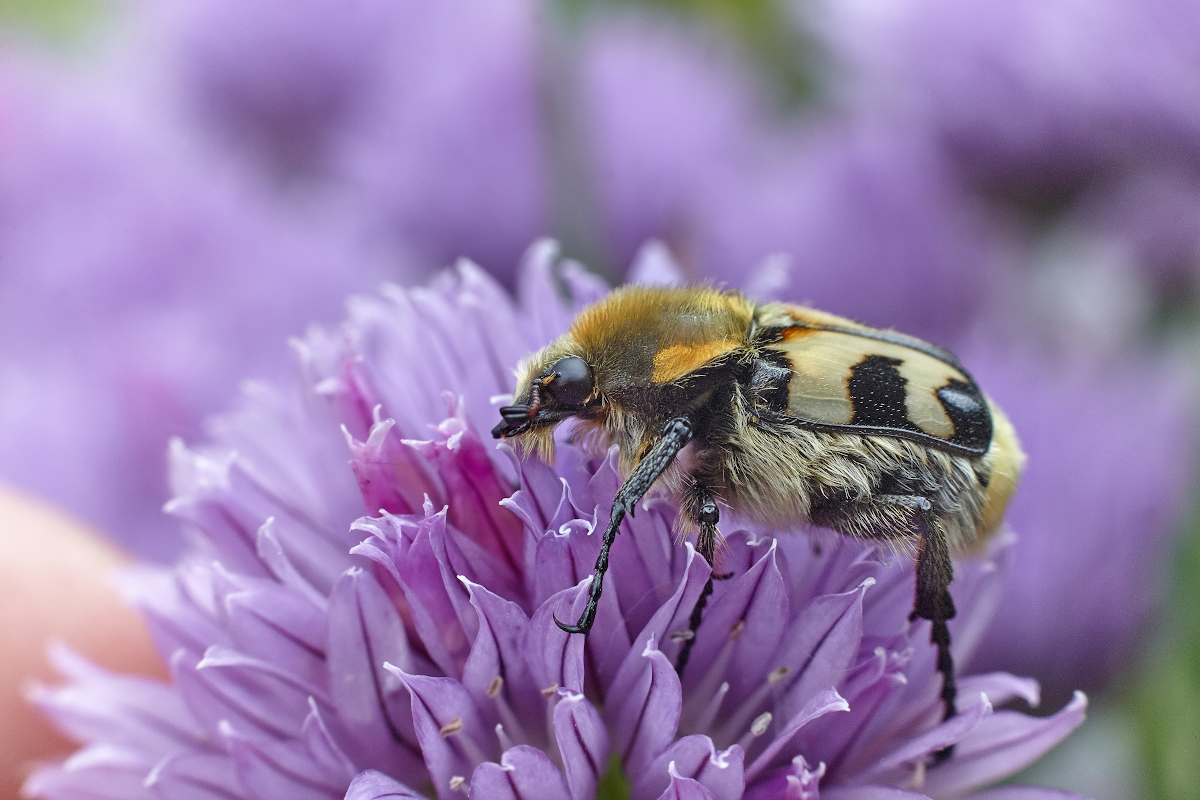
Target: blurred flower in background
x,y
192,182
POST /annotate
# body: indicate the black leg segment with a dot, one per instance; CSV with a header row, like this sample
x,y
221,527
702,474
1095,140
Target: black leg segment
x,y
702,508
933,602
676,434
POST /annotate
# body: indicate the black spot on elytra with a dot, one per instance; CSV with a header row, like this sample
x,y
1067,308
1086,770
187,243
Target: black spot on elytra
x,y
877,393
968,411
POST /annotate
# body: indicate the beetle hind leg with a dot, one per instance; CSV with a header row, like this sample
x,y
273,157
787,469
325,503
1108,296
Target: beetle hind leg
x,y
898,517
934,603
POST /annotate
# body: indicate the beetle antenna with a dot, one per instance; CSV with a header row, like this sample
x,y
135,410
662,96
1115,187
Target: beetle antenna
x,y
535,400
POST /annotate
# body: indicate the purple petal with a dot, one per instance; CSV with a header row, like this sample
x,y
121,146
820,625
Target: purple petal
x,y
178,607
582,743
555,657
272,622
524,773
474,491
496,672
740,624
270,768
214,695
543,493
653,265
819,705
120,710
372,785
326,753
279,564
819,646
538,293
1001,745
437,601
673,615
259,690
899,763
645,718
694,757
365,631
391,476
564,556
685,788
866,687
584,285
647,564
203,508
101,772
1000,687
979,585
195,776
452,738
795,782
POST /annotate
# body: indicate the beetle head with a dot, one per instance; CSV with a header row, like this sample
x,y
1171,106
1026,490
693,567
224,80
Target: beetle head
x,y
558,393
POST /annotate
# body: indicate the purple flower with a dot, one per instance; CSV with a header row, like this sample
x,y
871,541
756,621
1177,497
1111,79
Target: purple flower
x,y
319,653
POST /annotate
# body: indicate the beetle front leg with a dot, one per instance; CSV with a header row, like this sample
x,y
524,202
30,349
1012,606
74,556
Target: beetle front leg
x,y
676,434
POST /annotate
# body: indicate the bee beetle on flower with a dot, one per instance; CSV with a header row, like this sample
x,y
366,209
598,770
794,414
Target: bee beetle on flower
x,y
791,415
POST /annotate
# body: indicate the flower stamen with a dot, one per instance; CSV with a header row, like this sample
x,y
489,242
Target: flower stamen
x,y
918,776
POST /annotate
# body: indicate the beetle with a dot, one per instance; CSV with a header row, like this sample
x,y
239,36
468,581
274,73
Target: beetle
x,y
793,415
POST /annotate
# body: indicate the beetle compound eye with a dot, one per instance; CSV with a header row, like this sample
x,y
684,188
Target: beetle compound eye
x,y
572,381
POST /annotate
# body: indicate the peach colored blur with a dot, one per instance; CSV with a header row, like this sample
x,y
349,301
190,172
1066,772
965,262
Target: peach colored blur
x,y
55,584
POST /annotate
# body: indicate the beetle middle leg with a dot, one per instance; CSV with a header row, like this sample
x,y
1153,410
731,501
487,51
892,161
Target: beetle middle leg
x,y
701,508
